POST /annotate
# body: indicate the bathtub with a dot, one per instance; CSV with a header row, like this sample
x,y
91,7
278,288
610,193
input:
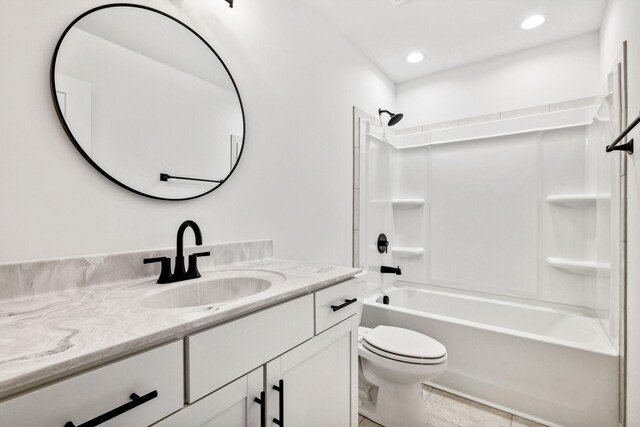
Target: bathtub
x,y
554,366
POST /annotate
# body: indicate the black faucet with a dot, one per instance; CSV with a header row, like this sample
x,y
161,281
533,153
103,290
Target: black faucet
x,y
394,270
179,274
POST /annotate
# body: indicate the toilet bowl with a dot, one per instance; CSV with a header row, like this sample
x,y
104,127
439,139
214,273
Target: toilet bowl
x,y
393,363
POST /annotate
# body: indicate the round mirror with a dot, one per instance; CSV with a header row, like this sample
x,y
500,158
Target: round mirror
x,y
147,102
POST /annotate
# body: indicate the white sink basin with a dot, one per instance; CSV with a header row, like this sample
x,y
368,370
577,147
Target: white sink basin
x,y
213,290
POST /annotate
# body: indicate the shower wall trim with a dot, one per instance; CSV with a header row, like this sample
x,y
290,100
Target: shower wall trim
x,y
360,118
511,114
565,119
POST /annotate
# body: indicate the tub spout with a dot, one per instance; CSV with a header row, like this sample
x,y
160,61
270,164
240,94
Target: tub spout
x,y
394,270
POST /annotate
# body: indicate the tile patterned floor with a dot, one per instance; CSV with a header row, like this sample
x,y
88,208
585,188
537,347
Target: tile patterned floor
x,y
448,410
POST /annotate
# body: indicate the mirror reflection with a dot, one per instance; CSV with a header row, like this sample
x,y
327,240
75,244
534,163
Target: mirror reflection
x,y
148,102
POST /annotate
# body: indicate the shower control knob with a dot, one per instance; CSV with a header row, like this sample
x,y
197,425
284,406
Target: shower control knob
x,y
383,243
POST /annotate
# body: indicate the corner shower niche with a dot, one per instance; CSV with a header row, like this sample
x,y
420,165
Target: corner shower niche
x,y
584,205
524,208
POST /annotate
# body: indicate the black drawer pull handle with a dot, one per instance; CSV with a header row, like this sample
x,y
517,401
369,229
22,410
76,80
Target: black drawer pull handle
x,y
263,409
280,389
343,305
100,419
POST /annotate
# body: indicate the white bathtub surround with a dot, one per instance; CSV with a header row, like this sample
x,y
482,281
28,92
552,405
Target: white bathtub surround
x,y
46,335
539,226
556,366
490,226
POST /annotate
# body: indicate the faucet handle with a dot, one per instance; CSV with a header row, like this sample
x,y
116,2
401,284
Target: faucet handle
x,y
193,272
199,254
165,268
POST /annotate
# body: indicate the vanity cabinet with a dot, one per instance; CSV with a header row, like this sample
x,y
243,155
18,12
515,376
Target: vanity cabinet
x,y
308,350
295,362
312,385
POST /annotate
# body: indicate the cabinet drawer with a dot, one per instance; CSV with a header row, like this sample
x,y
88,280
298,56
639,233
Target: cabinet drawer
x,y
338,296
223,353
97,392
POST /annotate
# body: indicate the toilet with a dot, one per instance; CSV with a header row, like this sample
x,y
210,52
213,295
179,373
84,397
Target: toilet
x,y
393,363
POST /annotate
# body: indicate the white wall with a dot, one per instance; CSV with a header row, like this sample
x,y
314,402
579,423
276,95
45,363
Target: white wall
x,y
544,75
621,23
298,80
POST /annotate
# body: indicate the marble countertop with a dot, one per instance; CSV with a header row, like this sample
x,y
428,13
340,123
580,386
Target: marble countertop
x,y
47,336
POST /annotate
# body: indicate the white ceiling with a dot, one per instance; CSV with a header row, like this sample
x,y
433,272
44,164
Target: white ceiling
x,y
452,32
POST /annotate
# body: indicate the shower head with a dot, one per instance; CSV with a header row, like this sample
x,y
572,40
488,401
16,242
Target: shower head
x,y
394,118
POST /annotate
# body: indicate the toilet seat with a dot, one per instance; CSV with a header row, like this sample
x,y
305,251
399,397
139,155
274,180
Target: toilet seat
x,y
404,345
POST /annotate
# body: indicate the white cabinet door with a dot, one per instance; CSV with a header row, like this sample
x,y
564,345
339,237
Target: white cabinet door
x,y
233,405
316,382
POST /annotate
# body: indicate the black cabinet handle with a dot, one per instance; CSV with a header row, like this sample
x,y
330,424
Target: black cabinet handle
x,y
263,409
280,389
100,419
343,305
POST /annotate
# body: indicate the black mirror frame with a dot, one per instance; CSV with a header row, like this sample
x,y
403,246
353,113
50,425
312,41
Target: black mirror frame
x,y
79,147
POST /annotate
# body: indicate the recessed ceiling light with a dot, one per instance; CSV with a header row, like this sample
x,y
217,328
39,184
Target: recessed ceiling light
x,y
415,57
532,22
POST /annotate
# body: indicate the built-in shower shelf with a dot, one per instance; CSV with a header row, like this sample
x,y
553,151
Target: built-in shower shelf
x,y
585,268
406,252
577,200
407,203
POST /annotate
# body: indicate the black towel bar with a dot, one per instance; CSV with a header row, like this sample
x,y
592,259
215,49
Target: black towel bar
x,y
167,177
628,147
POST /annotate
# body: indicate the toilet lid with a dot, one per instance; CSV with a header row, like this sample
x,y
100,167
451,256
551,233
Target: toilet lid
x,y
408,344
